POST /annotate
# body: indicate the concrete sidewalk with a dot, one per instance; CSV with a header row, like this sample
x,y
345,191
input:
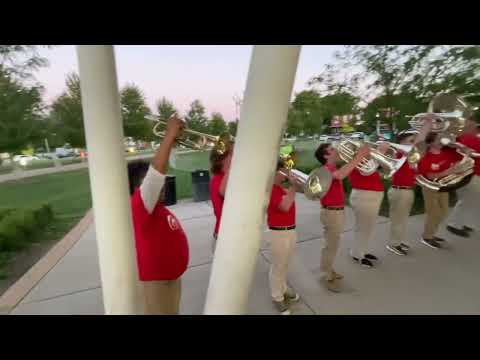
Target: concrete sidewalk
x,y
427,281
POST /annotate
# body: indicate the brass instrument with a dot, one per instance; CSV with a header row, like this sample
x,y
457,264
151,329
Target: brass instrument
x,y
452,181
197,140
449,113
315,185
347,150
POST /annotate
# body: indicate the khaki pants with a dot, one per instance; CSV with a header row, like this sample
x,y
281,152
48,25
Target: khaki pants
x,y
401,202
214,243
333,222
466,210
365,205
282,245
436,210
162,297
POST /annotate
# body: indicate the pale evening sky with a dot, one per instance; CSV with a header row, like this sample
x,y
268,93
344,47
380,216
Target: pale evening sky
x,y
181,73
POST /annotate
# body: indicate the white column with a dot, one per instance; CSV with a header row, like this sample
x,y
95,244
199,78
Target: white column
x,y
263,116
108,180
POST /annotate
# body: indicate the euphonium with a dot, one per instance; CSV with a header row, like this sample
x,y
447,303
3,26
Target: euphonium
x,y
347,150
315,185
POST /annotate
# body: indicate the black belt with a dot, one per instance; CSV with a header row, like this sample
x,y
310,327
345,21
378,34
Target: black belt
x,y
332,208
402,187
282,228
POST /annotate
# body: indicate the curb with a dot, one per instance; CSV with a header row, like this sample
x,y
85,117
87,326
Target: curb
x,y
17,292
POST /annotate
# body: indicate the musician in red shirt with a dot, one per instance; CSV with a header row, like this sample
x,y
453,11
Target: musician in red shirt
x,y
332,215
464,217
220,168
282,238
401,195
161,243
438,161
365,199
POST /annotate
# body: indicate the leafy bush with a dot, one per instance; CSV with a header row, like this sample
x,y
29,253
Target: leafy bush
x,y
19,227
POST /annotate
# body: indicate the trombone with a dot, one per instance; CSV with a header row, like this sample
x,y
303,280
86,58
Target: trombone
x,y
197,140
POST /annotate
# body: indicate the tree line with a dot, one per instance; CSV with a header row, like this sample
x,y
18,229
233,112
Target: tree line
x,y
366,81
25,121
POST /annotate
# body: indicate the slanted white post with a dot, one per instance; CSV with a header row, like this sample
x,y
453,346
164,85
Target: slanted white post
x,y
263,116
108,180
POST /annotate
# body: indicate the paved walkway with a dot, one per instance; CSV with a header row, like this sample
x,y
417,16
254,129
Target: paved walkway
x,y
17,175
426,282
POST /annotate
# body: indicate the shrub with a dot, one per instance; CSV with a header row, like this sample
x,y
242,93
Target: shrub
x,y
19,227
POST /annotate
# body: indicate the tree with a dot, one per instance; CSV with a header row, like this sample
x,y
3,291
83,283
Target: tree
x,y
232,127
165,109
135,112
423,70
66,114
196,119
217,124
20,114
19,61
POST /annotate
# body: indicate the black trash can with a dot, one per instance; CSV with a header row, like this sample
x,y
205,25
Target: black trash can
x,y
170,191
201,185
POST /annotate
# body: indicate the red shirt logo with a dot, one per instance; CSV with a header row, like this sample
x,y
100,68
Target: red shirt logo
x,y
172,222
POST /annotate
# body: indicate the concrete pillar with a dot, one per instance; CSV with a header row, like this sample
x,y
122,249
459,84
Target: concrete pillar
x,y
263,116
108,180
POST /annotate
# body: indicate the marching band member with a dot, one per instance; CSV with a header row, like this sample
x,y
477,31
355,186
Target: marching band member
x,y
220,168
332,215
282,238
401,195
437,162
365,199
464,217
161,243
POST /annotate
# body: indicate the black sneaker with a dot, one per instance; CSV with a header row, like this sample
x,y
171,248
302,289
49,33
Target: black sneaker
x,y
397,250
282,307
364,262
466,228
437,239
458,232
371,257
431,243
405,247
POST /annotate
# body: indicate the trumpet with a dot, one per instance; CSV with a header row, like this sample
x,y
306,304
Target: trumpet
x,y
315,185
197,140
347,150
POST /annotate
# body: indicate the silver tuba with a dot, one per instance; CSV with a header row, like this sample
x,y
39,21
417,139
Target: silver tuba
x,y
449,113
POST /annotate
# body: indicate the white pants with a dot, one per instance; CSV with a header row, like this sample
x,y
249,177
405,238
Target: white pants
x,y
401,202
282,245
466,211
365,205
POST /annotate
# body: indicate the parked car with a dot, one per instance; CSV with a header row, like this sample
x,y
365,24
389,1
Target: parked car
x,y
323,138
24,159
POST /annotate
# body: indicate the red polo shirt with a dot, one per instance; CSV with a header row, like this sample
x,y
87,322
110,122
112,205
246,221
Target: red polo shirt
x,y
217,199
371,183
161,243
335,196
473,142
276,217
436,163
405,176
